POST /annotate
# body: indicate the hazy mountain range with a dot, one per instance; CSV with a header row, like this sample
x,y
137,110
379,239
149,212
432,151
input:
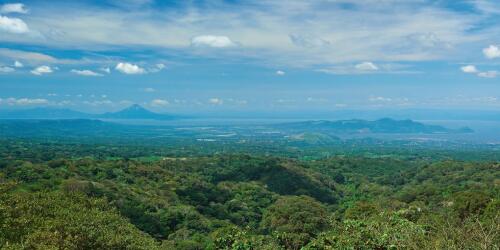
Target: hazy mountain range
x,y
133,112
383,126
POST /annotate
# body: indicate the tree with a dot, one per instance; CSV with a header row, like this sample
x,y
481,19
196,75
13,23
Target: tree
x,y
295,220
54,220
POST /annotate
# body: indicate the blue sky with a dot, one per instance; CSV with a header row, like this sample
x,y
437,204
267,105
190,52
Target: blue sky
x,y
221,56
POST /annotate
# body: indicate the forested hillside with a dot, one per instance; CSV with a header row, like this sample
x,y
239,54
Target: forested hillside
x,y
96,200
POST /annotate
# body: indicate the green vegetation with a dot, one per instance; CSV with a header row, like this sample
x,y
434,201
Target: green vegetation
x,y
62,195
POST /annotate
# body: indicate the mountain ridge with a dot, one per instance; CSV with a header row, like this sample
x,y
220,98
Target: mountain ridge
x,y
132,112
383,125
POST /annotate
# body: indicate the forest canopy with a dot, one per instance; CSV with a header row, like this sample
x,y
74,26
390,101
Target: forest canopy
x,y
238,201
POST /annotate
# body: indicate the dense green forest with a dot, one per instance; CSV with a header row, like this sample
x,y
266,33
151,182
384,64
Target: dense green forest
x,y
85,196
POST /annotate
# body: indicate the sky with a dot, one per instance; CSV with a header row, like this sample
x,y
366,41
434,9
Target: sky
x,y
250,56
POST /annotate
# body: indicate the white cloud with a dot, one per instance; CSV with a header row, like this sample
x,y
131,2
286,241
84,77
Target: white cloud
x,y
215,101
158,67
316,100
64,103
130,69
366,66
105,70
18,64
159,103
285,101
85,72
488,74
280,73
13,8
149,90
212,41
379,99
24,101
5,69
13,25
32,57
369,68
491,52
469,69
99,103
308,41
42,70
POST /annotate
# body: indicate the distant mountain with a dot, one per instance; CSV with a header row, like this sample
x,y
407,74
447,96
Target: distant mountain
x,y
43,113
136,112
65,128
133,112
384,125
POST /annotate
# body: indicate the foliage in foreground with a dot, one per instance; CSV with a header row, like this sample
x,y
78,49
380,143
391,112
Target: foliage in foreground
x,y
244,202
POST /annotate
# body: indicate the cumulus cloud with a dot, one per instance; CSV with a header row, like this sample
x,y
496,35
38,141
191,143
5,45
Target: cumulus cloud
x,y
85,72
280,73
471,69
366,66
23,101
159,103
212,41
13,25
129,69
5,69
18,64
491,52
42,70
215,101
13,8
488,74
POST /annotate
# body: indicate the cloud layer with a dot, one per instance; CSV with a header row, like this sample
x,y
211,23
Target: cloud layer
x,y
212,41
292,32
